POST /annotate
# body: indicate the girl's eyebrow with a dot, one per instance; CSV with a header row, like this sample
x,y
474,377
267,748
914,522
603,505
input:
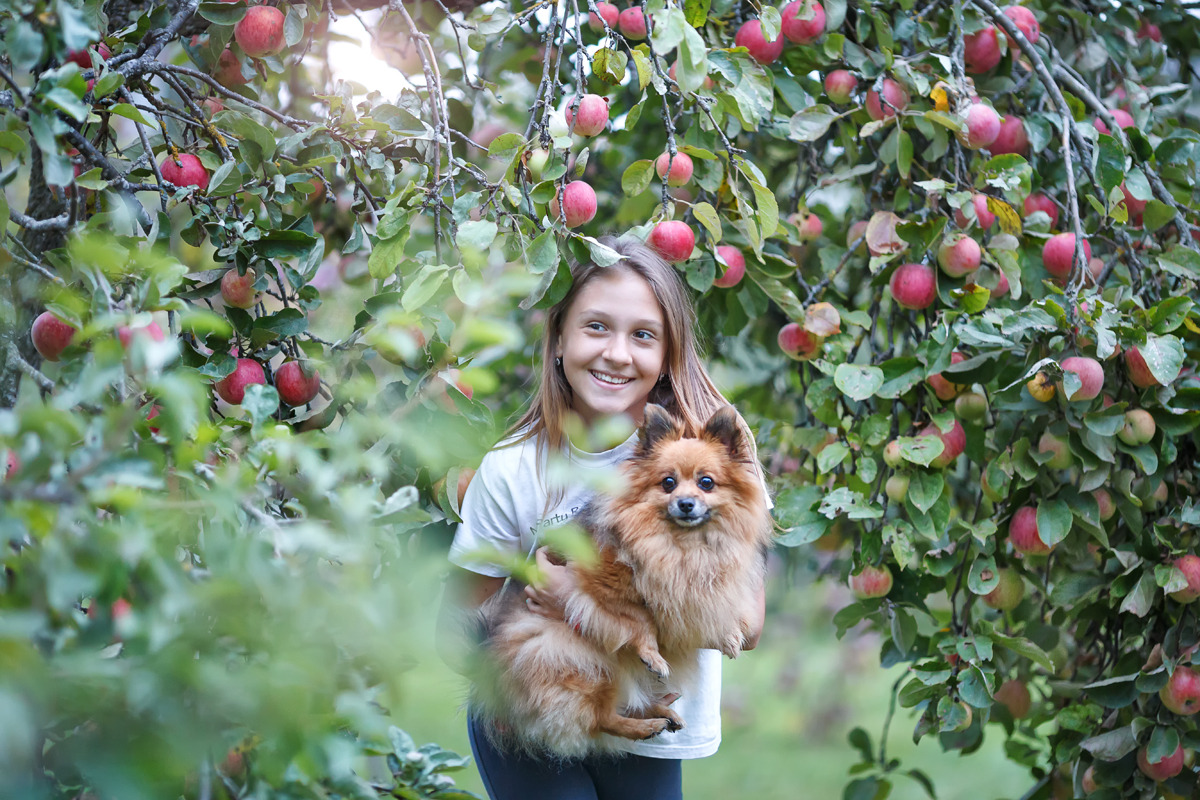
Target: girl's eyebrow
x,y
640,323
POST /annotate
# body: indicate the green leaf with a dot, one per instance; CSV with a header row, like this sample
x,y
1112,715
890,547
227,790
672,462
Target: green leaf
x,y
696,12
130,112
1110,163
423,286
924,488
479,234
857,382
1139,601
260,402
602,255
1164,356
921,449
1024,648
904,154
637,177
707,216
1113,745
812,123
543,253
1054,520
768,210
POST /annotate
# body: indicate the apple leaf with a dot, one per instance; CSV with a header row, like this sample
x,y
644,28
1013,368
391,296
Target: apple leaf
x,y
822,319
921,449
260,402
637,176
849,502
1164,356
1170,578
1023,647
857,382
811,123
1163,744
983,577
706,215
881,233
1111,746
1054,520
1138,601
924,489
477,233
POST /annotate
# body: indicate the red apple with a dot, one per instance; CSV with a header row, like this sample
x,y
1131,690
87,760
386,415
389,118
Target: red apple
x,y
125,333
681,168
50,335
260,32
1134,207
1014,695
1026,22
858,233
238,290
608,16
798,343
983,216
673,240
1023,532
228,71
840,85
1120,116
751,37
958,255
1181,695
982,126
1090,372
914,286
871,582
1169,767
296,383
1138,370
213,105
1059,253
1108,508
895,99
1189,565
1148,30
1088,782
84,57
954,443
12,463
1001,284
1006,596
944,389
1139,427
632,23
578,205
232,388
735,266
803,31
809,226
591,116
184,171
1011,139
982,50
1040,202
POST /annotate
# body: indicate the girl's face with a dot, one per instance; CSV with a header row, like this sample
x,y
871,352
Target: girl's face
x,y
612,345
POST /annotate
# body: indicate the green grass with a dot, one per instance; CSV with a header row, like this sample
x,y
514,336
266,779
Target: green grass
x,y
788,707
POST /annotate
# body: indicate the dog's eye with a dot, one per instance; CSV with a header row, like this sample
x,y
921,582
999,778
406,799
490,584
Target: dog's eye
x,y
706,483
668,484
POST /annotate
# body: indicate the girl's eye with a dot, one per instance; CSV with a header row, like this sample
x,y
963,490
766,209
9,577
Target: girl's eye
x,y
668,484
646,335
595,326
706,483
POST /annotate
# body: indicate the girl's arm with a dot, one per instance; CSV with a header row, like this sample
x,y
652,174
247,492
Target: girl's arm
x,y
464,592
759,610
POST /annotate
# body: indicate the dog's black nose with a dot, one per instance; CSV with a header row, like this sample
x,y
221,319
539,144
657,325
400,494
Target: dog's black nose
x,y
686,506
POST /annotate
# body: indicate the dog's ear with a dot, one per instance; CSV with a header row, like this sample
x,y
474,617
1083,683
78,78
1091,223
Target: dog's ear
x,y
723,427
657,425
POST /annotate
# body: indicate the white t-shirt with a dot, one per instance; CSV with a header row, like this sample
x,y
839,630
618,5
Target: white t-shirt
x,y
505,509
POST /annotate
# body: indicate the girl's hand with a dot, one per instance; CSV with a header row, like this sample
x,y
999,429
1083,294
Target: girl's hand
x,y
548,599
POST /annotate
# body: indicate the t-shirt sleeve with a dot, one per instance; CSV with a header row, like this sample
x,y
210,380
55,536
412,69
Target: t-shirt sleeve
x,y
489,519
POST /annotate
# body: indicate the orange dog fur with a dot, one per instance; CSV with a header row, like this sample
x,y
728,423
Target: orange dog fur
x,y
681,554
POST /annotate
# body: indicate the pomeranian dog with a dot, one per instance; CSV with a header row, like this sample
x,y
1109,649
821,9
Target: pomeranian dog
x,y
681,554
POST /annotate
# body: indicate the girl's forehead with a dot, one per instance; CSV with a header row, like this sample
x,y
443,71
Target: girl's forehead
x,y
618,291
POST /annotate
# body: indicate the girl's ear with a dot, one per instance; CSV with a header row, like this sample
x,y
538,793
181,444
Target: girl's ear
x,y
723,428
656,426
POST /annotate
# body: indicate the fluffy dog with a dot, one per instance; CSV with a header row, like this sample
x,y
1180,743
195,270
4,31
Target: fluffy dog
x,y
680,559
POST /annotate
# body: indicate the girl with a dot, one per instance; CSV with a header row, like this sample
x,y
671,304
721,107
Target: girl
x,y
621,337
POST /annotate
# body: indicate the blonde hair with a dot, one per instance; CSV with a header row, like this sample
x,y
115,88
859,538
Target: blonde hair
x,y
686,389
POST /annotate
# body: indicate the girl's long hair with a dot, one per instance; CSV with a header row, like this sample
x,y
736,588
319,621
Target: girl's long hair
x,y
686,389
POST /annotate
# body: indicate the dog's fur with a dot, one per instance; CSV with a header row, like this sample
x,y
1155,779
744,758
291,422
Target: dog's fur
x,y
678,570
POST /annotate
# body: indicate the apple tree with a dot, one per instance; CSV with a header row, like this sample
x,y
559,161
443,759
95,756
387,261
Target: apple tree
x,y
260,319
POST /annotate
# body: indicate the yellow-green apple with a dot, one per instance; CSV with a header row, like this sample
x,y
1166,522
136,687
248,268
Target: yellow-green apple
x,y
1011,139
680,166
232,388
981,50
798,343
896,488
673,240
1105,502
1189,565
752,37
913,286
803,21
1041,202
578,204
1169,767
1059,449
297,383
895,99
971,406
981,126
871,582
944,389
1014,695
1058,253
735,266
1041,387
840,85
186,170
1139,427
591,115
959,255
1181,695
50,336
1008,592
260,32
892,455
1023,532
1090,373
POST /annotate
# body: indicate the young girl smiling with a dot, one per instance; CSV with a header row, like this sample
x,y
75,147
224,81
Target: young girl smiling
x,y
622,337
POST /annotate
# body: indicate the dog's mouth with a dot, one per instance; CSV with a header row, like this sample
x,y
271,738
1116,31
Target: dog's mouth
x,y
689,514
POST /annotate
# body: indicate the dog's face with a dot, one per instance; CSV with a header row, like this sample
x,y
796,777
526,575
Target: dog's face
x,y
687,479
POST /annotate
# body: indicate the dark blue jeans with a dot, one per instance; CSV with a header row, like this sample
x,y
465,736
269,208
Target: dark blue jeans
x,y
512,776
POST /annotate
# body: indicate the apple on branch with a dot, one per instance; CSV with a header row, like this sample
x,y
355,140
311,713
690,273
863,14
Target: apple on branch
x,y
871,582
752,37
673,240
50,336
184,170
232,388
796,28
735,266
260,32
578,204
590,117
840,85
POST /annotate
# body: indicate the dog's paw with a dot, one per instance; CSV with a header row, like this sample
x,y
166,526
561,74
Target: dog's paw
x,y
674,722
653,727
656,664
